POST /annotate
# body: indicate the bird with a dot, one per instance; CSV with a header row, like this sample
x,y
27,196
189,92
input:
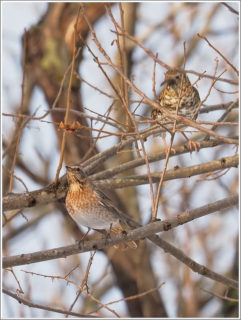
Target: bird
x,y
91,208
177,93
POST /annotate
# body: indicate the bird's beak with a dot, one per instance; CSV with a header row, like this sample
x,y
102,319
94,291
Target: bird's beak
x,y
169,81
67,167
164,82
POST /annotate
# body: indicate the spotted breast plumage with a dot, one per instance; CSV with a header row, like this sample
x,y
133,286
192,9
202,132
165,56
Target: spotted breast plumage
x,y
178,96
91,208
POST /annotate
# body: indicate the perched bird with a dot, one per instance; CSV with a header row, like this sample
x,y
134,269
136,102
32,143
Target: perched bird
x,y
177,93
91,208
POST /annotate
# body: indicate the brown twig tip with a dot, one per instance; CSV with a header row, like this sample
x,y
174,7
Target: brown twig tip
x,y
224,58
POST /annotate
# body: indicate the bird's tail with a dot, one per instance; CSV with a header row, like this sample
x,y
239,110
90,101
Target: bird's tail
x,y
124,245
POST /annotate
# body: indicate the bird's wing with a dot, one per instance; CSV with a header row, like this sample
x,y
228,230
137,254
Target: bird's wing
x,y
107,203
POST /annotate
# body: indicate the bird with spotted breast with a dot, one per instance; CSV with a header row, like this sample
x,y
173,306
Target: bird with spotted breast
x,y
178,96
91,208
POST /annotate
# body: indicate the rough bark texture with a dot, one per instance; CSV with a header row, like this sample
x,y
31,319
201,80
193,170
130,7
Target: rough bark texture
x,y
49,49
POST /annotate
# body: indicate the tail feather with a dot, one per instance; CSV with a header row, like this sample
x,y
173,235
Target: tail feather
x,y
132,244
124,245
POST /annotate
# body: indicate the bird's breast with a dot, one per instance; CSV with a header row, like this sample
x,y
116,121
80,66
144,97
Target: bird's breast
x,y
82,198
85,207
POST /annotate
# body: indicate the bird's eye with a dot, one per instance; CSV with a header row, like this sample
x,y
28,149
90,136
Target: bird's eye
x,y
78,169
177,77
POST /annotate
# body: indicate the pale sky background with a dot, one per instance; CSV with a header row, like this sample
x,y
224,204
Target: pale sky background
x,y
17,16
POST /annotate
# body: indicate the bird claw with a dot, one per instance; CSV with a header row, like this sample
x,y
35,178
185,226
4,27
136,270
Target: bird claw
x,y
194,145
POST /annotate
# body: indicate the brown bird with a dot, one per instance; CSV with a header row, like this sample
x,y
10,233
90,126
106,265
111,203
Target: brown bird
x,y
89,207
177,93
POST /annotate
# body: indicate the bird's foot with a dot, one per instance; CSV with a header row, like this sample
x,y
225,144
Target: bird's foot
x,y
194,145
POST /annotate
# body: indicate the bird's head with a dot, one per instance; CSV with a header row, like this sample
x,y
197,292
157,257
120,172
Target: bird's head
x,y
75,174
174,79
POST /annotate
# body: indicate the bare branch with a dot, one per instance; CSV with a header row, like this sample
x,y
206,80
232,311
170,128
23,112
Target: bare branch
x,y
53,193
171,174
138,234
230,8
39,306
224,58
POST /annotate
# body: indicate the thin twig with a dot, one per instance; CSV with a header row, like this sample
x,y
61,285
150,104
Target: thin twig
x,y
20,290
230,8
149,52
223,116
84,281
78,286
181,94
68,103
133,297
63,80
39,306
224,58
21,122
220,296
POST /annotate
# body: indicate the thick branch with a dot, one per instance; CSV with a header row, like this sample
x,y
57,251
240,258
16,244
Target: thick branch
x,y
53,193
175,173
196,267
151,158
136,234
45,195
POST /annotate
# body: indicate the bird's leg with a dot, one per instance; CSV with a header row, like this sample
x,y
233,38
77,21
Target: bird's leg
x,y
108,233
83,237
120,230
85,234
192,144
